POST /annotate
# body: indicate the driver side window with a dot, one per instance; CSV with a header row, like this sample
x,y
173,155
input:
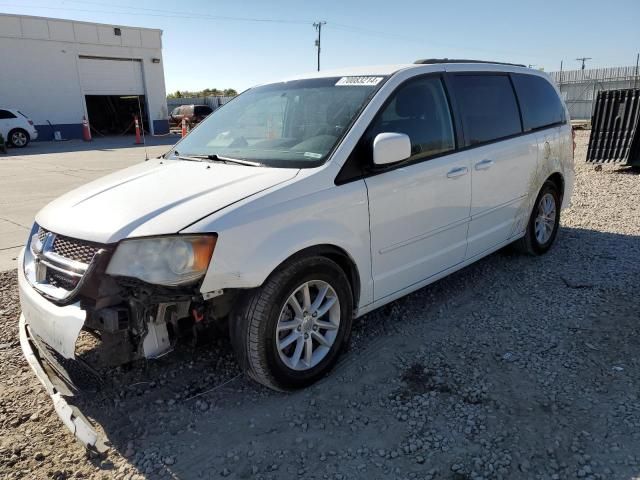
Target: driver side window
x,y
419,109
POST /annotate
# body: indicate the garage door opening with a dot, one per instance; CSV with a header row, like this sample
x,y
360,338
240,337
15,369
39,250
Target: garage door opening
x,y
114,114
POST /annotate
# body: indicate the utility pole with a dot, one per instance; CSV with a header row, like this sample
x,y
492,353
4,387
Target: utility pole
x,y
318,26
583,60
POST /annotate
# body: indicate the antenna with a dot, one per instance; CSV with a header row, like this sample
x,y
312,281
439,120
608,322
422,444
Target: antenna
x,y
133,75
144,141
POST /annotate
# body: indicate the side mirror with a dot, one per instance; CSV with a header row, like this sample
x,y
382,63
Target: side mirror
x,y
391,148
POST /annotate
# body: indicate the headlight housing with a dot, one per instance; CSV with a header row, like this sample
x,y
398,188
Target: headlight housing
x,y
171,261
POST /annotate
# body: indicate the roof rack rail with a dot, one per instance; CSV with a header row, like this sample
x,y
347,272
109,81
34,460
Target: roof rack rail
x,y
431,61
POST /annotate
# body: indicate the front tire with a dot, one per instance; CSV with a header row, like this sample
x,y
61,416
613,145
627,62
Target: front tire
x,y
289,332
544,222
19,138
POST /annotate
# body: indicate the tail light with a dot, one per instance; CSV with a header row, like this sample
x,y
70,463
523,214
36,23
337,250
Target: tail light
x,y
573,138
30,122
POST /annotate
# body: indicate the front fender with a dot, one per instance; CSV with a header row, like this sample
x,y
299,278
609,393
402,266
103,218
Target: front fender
x,y
257,237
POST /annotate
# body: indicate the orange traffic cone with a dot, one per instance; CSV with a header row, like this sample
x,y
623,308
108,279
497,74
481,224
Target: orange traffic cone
x,y
86,132
135,119
184,127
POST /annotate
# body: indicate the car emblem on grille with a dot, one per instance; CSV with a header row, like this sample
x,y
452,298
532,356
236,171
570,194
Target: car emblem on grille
x,y
47,246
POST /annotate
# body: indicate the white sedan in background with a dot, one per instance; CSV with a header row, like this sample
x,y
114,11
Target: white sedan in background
x,y
16,128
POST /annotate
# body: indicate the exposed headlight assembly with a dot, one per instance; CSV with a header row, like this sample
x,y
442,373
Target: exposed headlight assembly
x,y
171,261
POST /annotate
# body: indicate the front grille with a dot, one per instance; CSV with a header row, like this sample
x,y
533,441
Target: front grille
x,y
71,248
57,266
74,249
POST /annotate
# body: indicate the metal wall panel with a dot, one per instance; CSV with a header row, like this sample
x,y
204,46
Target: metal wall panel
x,y
615,136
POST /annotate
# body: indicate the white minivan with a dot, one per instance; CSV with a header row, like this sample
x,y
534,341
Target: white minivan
x,y
295,208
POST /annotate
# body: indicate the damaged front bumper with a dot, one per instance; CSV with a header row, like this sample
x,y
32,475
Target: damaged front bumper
x,y
43,323
77,423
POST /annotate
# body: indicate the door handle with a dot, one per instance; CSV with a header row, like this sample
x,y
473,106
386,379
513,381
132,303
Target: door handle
x,y
484,165
457,172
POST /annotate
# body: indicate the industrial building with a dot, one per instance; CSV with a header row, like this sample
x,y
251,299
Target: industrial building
x,y
58,71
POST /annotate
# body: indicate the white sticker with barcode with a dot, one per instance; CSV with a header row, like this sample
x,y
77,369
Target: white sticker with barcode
x,y
358,81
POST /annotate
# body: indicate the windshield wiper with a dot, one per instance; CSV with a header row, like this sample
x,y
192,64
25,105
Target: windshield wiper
x,y
191,159
219,158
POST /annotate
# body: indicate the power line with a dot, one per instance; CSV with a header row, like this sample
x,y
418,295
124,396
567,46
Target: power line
x,y
167,13
172,14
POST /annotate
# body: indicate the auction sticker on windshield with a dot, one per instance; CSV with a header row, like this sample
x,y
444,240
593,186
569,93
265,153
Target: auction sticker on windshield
x,y
361,81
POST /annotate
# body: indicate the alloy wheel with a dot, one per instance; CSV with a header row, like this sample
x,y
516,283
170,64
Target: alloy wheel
x,y
19,139
546,219
308,325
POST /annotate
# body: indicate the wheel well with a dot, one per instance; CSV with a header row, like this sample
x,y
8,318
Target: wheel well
x,y
337,255
558,181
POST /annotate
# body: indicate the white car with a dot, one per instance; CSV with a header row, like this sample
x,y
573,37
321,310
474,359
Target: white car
x,y
16,128
295,208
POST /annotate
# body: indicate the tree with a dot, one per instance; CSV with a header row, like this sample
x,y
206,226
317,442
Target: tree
x,y
207,92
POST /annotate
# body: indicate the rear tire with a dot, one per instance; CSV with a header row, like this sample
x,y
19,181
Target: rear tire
x,y
19,138
271,340
544,222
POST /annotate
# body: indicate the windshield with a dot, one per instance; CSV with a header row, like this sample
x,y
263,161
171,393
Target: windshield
x,y
291,124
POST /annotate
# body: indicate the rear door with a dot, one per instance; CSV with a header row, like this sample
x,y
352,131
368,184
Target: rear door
x,y
502,159
543,114
419,209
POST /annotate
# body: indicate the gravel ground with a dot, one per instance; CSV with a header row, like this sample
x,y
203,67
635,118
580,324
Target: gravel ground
x,y
515,367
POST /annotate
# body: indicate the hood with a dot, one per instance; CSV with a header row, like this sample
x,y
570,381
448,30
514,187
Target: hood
x,y
156,197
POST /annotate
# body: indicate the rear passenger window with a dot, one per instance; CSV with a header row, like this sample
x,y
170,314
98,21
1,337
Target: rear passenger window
x,y
202,110
488,107
420,110
539,102
4,114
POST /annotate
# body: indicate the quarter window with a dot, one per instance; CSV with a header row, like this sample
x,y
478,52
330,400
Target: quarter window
x,y
488,107
539,102
420,110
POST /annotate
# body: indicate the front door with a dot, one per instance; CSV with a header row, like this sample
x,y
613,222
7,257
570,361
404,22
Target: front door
x,y
419,209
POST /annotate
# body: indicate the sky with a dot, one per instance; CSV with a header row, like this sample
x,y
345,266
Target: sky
x,y
237,44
